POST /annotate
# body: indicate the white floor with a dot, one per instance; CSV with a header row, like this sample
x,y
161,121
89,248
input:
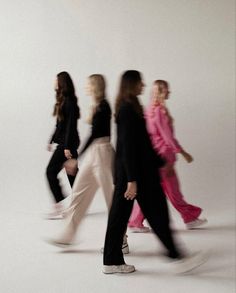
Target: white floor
x,y
29,265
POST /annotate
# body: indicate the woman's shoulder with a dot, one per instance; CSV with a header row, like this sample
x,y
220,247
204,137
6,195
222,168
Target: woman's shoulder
x,y
158,110
150,110
126,107
127,112
70,102
104,103
104,106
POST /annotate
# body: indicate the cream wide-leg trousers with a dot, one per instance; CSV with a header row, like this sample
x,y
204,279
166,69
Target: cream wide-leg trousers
x,y
95,171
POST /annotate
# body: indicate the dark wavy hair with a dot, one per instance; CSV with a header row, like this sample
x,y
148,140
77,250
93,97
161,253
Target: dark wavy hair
x,y
64,91
127,91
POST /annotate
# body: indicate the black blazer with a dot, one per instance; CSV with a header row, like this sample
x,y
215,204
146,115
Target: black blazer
x,y
66,133
135,157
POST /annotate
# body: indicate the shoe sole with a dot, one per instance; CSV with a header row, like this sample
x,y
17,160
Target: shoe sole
x,y
58,244
117,272
185,272
59,217
198,226
136,230
200,262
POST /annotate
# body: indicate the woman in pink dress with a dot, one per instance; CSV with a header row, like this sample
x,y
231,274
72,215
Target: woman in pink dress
x,y
160,128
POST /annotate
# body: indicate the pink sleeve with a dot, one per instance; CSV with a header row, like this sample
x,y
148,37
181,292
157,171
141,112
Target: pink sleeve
x,y
165,130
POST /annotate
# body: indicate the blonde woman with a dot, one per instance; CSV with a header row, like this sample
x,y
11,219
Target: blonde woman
x,y
96,167
161,130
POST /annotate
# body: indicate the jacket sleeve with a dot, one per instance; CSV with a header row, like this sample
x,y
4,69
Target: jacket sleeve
x,y
71,114
165,131
127,119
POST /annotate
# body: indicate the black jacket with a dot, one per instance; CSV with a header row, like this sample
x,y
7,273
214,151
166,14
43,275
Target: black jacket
x,y
135,157
66,133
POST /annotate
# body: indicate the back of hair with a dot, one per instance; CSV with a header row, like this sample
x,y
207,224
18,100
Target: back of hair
x,y
127,91
161,84
65,91
99,87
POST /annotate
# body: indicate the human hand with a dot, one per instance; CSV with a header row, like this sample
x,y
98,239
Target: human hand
x,y
67,154
131,190
187,156
49,147
71,166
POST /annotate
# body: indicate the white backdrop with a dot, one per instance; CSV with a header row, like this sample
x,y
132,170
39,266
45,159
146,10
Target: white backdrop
x,y
190,43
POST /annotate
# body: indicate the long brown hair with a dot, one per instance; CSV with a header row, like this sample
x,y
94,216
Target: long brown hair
x,y
64,91
127,91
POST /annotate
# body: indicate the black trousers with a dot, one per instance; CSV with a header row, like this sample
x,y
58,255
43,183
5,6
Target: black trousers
x,y
154,206
54,167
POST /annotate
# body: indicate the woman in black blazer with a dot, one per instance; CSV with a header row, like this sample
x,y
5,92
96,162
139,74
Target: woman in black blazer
x,y
136,176
65,136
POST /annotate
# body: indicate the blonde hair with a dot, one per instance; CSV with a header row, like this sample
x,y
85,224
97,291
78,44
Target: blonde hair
x,y
163,84
98,84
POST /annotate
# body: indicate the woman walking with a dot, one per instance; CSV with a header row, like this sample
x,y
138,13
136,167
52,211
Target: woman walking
x,y
65,136
96,167
136,176
161,130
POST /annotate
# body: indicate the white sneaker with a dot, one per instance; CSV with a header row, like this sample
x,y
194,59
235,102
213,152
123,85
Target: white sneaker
x,y
59,243
56,213
189,263
124,269
196,224
142,229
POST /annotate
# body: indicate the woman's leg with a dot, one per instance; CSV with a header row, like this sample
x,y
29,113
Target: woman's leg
x,y
154,206
71,178
117,223
83,191
137,217
103,171
172,190
54,167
